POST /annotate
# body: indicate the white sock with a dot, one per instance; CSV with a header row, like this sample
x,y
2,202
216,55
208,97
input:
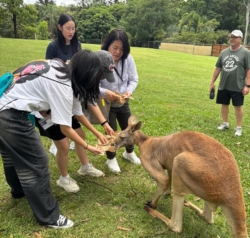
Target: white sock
x,y
85,166
64,177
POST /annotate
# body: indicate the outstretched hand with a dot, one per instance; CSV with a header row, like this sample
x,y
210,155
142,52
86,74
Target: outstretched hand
x,y
94,150
102,138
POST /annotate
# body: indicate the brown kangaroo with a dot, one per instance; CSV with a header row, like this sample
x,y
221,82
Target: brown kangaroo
x,y
196,164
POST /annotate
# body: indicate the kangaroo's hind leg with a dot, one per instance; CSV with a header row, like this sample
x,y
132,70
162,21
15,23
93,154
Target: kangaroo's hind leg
x,y
236,217
177,212
206,213
175,223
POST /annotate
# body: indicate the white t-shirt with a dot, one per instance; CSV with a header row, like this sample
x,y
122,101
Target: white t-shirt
x,y
39,89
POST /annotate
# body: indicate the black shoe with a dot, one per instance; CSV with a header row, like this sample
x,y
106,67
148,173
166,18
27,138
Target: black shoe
x,y
62,222
17,195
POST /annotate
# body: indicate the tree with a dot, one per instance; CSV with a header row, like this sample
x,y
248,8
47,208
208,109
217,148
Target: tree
x,y
27,23
17,20
247,4
226,12
6,24
43,30
94,23
50,14
14,7
208,25
117,10
146,20
83,3
191,21
45,2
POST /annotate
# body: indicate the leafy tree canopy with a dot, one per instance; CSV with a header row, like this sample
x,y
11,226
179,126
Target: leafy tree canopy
x,y
94,23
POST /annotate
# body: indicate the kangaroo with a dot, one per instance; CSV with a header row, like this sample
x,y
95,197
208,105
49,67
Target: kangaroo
x,y
196,164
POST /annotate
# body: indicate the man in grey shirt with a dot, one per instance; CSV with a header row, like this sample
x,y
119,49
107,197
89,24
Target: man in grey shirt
x,y
233,66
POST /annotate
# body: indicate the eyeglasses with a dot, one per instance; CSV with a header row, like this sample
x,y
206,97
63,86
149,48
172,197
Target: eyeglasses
x,y
234,37
70,29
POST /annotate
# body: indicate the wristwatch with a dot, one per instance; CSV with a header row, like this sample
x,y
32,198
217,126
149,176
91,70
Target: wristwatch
x,y
247,85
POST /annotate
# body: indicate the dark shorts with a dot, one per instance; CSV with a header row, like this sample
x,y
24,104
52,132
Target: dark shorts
x,y
54,132
224,96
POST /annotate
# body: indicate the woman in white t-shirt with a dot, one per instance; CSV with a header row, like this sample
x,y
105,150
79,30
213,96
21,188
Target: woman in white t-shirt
x,y
45,85
64,47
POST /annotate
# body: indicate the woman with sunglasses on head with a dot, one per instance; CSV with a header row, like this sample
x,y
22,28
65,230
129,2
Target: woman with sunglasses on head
x,y
126,80
41,86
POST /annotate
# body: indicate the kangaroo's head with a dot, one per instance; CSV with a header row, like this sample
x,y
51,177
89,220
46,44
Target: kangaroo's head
x,y
127,136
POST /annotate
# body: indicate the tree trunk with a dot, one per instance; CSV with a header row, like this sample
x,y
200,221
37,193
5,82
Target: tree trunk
x,y
247,22
14,23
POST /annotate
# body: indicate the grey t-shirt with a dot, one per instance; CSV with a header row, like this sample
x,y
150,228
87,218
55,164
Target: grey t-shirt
x,y
234,65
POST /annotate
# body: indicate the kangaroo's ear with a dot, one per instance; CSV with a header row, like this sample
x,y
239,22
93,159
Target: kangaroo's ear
x,y
123,134
132,120
136,127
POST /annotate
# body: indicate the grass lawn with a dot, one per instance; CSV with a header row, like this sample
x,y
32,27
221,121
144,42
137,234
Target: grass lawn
x,y
172,95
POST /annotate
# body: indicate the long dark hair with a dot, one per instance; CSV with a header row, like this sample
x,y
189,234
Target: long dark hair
x,y
64,18
85,73
117,34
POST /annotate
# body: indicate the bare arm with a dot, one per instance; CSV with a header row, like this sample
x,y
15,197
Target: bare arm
x,y
110,96
71,134
83,120
245,90
214,77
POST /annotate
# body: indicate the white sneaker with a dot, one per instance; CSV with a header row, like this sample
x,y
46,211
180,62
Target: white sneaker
x,y
238,131
90,170
62,222
53,149
72,145
131,157
113,165
223,126
68,184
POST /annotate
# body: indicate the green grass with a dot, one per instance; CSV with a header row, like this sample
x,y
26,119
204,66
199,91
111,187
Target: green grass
x,y
172,96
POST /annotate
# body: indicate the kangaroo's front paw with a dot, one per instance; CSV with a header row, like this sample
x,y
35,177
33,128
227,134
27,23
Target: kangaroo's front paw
x,y
149,204
167,193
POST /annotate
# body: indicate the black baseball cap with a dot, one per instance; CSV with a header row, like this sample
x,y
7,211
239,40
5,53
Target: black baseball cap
x,y
107,64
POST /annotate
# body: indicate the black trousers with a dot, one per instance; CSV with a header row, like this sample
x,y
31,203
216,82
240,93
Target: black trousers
x,y
120,115
25,163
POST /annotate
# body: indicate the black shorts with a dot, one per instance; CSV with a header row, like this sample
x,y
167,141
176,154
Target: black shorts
x,y
224,96
54,132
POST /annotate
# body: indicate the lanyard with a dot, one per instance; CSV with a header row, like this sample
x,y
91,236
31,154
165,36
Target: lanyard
x,y
118,74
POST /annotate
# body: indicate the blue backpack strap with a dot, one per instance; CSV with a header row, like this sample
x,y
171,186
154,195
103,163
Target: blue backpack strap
x,y
5,81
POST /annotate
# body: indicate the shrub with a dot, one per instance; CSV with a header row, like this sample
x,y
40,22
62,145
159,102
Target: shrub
x,y
43,31
222,36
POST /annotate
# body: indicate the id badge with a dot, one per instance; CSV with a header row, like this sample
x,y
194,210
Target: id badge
x,y
45,123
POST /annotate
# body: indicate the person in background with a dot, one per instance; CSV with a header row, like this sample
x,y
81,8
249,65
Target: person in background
x,y
126,80
233,65
64,47
44,85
